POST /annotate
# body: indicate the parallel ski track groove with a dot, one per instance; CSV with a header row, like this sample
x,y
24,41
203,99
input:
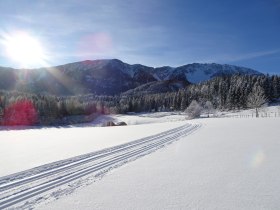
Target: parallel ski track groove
x,y
13,193
28,180
72,162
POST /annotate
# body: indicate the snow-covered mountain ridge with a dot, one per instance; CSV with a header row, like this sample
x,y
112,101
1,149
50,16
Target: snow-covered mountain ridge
x,y
195,72
107,77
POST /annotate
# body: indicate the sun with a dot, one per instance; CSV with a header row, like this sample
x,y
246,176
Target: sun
x,y
24,49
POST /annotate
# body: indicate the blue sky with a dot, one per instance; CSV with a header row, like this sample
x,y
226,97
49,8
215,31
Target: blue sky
x,y
150,32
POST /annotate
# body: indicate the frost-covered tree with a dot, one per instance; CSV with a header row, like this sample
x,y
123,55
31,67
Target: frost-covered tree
x,y
256,99
193,110
209,108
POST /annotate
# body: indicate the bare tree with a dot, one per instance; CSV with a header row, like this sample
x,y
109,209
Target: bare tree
x,y
209,108
256,99
193,110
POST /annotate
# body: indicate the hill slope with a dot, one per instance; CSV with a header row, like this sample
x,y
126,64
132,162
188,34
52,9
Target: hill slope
x,y
106,77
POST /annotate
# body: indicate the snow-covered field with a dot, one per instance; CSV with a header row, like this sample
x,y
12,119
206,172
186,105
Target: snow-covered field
x,y
212,163
24,149
271,111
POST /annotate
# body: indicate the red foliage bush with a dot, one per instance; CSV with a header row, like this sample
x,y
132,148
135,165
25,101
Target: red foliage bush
x,y
20,113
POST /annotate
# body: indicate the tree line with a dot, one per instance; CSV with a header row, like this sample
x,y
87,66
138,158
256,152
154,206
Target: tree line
x,y
224,93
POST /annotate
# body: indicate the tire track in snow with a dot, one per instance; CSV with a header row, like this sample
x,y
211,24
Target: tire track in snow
x,y
31,184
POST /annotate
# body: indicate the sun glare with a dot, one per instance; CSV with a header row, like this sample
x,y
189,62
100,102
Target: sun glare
x,y
24,49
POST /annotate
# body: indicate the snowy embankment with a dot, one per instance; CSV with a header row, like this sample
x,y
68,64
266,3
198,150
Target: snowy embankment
x,y
229,163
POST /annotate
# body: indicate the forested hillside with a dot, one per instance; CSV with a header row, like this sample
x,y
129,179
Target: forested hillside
x,y
225,93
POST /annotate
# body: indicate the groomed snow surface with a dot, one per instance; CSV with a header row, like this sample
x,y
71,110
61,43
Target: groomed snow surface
x,y
212,163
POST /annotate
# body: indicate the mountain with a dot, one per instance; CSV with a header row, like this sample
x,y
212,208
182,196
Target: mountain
x,y
109,77
197,72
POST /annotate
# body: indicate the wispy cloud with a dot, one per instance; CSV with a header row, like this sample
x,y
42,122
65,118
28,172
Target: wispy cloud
x,y
245,56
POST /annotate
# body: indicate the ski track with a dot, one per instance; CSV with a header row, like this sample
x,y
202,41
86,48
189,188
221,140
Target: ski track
x,y
27,188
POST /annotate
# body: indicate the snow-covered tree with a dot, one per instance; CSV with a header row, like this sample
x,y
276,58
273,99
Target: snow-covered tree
x,y
256,99
209,108
193,110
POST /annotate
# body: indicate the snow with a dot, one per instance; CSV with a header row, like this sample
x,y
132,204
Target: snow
x,y
140,119
196,72
197,76
271,111
163,73
27,189
24,149
228,163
